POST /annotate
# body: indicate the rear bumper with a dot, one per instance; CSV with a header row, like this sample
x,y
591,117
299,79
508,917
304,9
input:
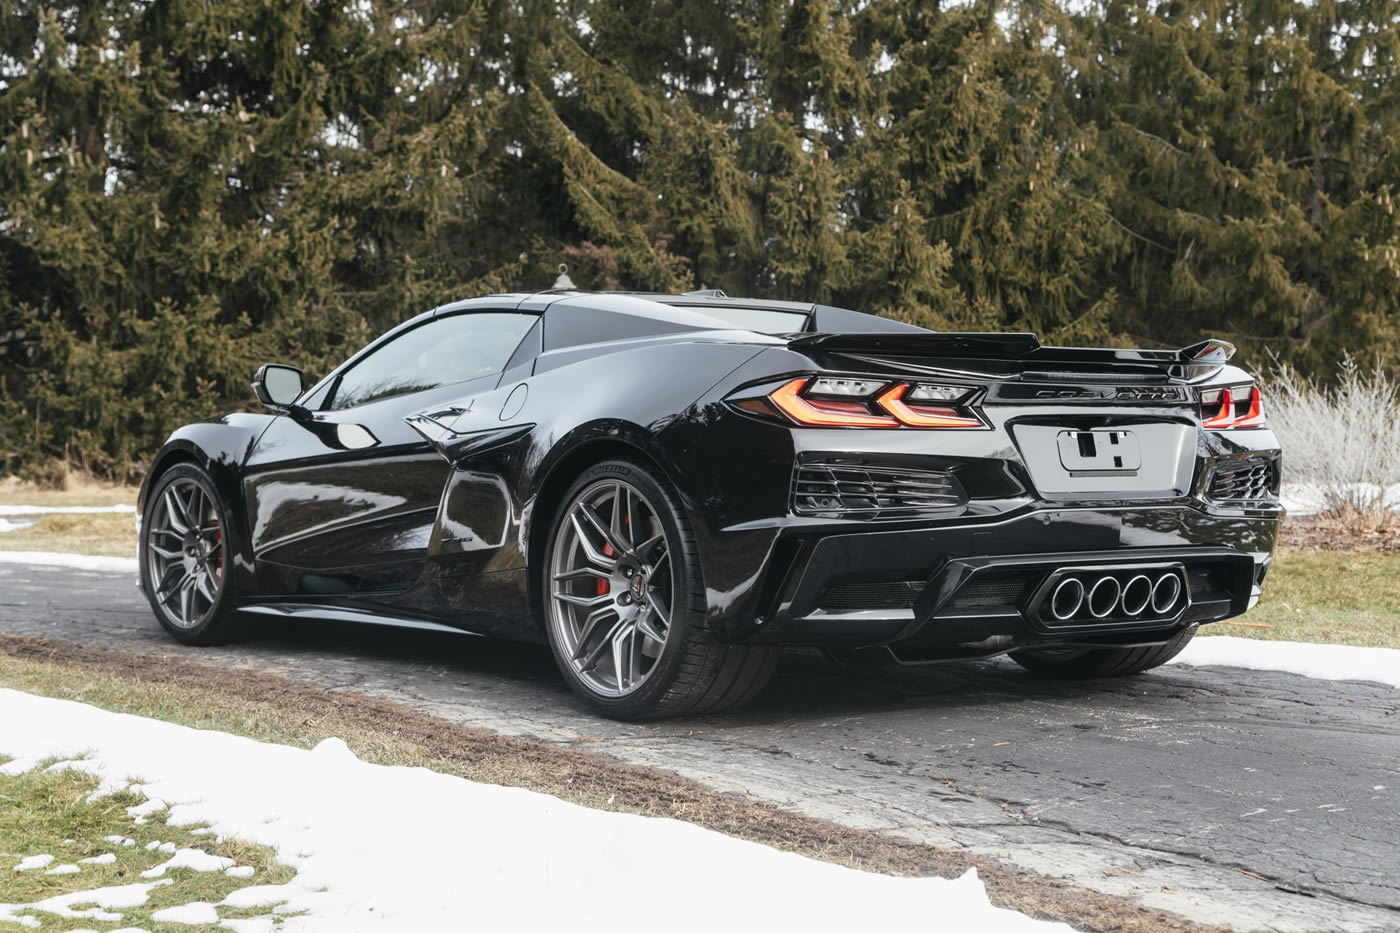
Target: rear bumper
x,y
932,589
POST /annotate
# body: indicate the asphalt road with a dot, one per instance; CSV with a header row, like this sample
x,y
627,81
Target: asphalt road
x,y
1261,800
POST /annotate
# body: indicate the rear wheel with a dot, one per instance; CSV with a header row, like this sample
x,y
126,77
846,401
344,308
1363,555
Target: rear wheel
x,y
1080,663
183,558
624,603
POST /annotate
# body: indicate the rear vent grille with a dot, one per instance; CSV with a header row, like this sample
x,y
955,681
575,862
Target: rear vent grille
x,y
1251,478
846,597
999,593
854,490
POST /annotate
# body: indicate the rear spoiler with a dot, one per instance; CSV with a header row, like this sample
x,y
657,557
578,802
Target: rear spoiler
x,y
1189,362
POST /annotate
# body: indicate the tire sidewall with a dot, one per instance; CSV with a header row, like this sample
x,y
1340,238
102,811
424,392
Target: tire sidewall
x,y
212,622
685,583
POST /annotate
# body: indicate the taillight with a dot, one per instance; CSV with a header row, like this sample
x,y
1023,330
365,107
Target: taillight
x,y
830,413
1232,407
917,415
867,403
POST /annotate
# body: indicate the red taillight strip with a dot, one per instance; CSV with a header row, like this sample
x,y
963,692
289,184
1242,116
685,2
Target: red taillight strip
x,y
1255,416
923,416
1223,418
803,411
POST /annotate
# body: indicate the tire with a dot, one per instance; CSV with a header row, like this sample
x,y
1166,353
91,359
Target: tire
x,y
1084,663
587,597
186,576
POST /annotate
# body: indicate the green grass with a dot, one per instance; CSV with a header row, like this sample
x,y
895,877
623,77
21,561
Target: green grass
x,y
1336,597
48,813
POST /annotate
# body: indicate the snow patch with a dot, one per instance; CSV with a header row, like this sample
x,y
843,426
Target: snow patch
x,y
519,860
1322,662
69,869
12,510
19,766
73,561
119,840
106,858
103,899
192,914
33,862
240,871
193,859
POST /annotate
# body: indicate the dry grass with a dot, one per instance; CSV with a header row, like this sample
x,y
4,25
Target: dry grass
x,y
105,535
78,490
49,813
269,708
1336,597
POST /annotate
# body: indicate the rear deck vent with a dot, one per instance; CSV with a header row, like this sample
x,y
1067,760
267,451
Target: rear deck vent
x,y
847,597
840,489
1249,479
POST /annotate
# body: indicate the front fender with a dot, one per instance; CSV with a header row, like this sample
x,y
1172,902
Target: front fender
x,y
220,447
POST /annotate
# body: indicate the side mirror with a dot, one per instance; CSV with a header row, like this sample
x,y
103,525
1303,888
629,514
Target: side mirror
x,y
277,386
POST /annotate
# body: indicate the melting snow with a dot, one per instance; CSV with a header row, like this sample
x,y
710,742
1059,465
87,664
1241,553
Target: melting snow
x,y
193,859
33,862
506,858
11,510
121,896
192,914
74,561
1323,662
241,871
106,858
69,869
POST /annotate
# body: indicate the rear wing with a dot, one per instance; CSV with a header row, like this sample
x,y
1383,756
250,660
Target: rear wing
x,y
1025,351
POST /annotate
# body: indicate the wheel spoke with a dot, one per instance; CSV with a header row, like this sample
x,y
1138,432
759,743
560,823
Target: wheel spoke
x,y
174,512
646,624
162,552
636,523
593,553
581,572
163,588
587,602
590,625
623,644
205,587
649,545
594,519
595,654
187,599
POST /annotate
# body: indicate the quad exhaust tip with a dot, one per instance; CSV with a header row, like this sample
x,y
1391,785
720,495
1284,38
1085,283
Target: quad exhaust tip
x,y
1086,598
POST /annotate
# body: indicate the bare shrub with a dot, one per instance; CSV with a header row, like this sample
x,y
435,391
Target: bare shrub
x,y
1343,439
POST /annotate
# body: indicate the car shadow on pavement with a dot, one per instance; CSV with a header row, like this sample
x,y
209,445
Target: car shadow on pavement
x,y
807,685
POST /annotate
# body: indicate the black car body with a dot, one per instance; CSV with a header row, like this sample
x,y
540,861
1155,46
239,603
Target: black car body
x,y
953,495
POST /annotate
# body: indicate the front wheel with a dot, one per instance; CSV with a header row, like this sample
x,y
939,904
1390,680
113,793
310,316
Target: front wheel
x,y
1082,663
184,560
624,603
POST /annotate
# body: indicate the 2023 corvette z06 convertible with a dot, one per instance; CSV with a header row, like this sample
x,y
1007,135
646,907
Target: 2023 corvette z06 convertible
x,y
669,489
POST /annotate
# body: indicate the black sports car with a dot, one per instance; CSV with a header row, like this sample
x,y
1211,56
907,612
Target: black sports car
x,y
669,489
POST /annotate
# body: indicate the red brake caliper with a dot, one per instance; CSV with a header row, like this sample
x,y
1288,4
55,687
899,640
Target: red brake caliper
x,y
604,587
219,544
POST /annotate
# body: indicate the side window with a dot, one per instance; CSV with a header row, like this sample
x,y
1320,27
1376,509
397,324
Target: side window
x,y
450,349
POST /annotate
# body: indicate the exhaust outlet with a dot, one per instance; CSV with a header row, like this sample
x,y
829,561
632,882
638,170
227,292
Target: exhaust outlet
x,y
1136,595
1165,592
1104,596
1067,598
